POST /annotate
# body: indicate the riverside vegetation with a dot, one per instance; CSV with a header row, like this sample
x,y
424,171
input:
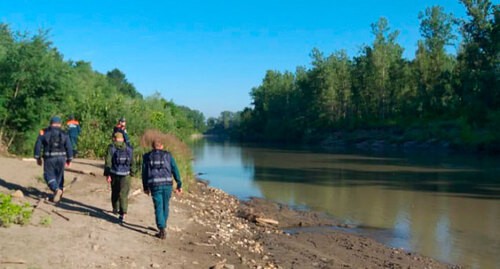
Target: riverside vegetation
x,y
452,97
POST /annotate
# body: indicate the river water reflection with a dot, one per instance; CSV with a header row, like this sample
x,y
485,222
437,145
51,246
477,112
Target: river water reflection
x,y
443,206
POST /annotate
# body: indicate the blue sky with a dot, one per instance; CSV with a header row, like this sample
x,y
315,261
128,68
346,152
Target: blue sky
x,y
209,54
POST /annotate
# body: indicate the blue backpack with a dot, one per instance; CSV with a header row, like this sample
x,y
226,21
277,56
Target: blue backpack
x,y
121,161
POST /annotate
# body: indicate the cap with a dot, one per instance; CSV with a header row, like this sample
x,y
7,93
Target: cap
x,y
118,135
122,119
55,119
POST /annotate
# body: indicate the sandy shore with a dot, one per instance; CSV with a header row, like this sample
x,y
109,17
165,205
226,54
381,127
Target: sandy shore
x,y
207,229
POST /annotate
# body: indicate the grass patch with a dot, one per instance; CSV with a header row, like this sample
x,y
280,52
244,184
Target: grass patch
x,y
11,213
46,221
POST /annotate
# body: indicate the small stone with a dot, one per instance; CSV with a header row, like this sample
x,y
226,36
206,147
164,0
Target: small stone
x,y
18,194
95,247
195,262
155,265
229,266
114,264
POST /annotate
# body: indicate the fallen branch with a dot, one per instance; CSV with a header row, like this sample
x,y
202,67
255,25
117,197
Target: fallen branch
x,y
75,179
203,244
83,172
71,212
12,262
60,215
266,221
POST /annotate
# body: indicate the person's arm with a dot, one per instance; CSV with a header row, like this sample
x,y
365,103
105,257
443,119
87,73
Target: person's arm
x,y
79,129
38,149
132,163
144,173
175,172
107,161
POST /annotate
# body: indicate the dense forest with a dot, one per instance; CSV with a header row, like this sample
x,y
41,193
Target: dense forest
x,y
437,95
36,82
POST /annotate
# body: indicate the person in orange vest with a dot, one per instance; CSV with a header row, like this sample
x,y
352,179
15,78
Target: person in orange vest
x,y
74,131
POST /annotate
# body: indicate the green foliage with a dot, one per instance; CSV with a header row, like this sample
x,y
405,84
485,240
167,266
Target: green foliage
x,y
36,83
434,96
11,213
46,221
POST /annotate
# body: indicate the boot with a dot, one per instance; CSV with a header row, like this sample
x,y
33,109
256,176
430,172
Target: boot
x,y
57,195
162,234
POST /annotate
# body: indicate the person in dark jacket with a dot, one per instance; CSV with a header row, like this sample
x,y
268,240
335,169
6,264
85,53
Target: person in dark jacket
x,y
118,169
121,127
158,169
74,131
54,147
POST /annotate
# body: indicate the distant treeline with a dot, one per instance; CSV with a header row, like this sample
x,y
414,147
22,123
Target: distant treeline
x,y
37,83
454,97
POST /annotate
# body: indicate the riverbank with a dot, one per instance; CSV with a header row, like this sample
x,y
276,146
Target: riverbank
x,y
207,229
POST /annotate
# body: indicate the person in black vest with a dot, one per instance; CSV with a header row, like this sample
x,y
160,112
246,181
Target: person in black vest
x,y
54,146
158,168
118,170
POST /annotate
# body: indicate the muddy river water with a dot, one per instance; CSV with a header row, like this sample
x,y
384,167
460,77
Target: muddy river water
x,y
446,206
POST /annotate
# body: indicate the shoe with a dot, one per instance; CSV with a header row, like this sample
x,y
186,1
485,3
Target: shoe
x,y
115,212
121,218
162,234
57,195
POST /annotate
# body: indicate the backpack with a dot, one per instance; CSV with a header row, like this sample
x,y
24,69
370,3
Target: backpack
x,y
159,170
121,161
56,143
157,160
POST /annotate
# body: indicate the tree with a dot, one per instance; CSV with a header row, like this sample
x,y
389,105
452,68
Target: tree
x,y
433,66
118,79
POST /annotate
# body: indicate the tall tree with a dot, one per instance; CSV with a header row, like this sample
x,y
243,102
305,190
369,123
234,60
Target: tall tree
x,y
479,59
433,66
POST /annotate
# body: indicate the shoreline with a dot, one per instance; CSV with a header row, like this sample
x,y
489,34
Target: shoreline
x,y
208,228
277,247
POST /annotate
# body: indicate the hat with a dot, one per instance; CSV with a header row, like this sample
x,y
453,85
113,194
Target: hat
x,y
55,119
118,135
71,117
122,119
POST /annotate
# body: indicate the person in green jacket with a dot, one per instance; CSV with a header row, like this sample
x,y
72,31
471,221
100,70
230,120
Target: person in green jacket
x,y
118,169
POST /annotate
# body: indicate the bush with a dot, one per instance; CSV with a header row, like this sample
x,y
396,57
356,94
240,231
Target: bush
x,y
11,213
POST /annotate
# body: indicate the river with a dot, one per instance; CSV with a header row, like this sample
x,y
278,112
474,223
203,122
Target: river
x,y
445,206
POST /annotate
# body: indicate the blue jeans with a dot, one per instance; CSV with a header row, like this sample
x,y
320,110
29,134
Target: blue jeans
x,y
161,198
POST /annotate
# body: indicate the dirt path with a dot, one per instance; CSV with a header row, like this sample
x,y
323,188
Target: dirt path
x,y
207,229
96,240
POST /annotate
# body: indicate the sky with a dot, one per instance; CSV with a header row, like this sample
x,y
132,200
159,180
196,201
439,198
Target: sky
x,y
208,55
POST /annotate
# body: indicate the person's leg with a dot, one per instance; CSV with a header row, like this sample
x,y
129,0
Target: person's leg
x,y
158,198
49,174
59,171
115,193
167,193
124,190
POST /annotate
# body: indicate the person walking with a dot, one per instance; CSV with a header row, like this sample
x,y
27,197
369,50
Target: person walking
x,y
118,170
121,127
158,169
74,131
54,147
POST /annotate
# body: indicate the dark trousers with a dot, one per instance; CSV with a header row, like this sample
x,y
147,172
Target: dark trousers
x,y
120,187
74,143
161,199
53,172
